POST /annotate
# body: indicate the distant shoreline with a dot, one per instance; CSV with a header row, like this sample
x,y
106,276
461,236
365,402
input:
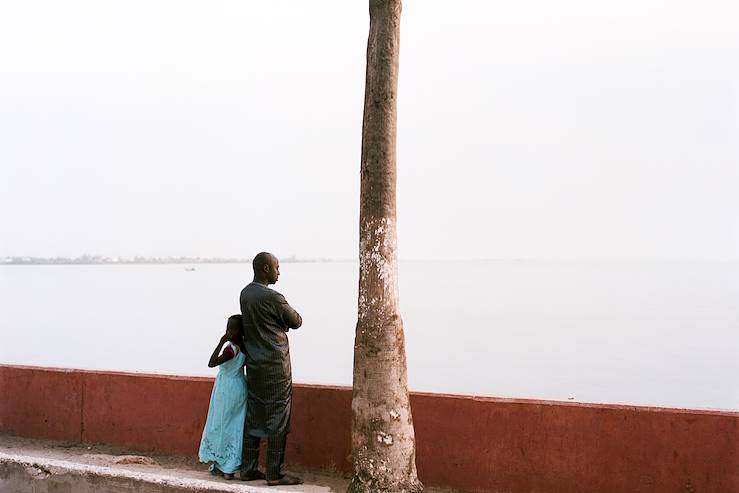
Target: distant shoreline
x,y
95,260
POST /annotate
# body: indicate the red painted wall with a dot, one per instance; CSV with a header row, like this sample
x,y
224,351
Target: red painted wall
x,y
540,446
40,403
145,412
464,442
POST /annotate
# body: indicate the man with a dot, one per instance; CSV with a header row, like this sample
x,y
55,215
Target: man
x,y
267,317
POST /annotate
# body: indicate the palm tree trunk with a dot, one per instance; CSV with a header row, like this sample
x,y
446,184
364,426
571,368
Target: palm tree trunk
x,y
383,443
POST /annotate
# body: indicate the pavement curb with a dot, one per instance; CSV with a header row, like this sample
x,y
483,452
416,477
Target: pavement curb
x,y
32,469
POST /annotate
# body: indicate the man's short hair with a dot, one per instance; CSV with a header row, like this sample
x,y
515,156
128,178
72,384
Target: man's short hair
x,y
262,259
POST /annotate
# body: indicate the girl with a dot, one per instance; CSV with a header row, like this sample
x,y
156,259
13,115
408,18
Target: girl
x,y
224,427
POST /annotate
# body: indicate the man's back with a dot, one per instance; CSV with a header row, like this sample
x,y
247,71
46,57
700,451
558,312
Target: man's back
x,y
267,317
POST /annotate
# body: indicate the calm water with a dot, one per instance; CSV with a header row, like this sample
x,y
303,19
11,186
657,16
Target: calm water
x,y
624,332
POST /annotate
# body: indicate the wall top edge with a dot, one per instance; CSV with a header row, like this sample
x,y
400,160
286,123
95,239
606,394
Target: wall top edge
x,y
467,397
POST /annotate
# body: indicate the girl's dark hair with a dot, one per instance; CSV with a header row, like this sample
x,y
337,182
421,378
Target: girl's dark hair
x,y
239,320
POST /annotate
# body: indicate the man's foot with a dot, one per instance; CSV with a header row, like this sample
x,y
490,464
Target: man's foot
x,y
284,480
251,475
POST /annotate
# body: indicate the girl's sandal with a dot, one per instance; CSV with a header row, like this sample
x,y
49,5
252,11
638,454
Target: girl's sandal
x,y
228,476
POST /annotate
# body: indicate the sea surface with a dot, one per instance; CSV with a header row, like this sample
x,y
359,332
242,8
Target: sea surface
x,y
644,333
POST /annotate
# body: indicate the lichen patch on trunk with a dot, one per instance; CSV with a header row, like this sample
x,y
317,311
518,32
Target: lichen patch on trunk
x,y
384,438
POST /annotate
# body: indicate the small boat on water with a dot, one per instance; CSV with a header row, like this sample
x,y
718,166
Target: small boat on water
x,y
189,269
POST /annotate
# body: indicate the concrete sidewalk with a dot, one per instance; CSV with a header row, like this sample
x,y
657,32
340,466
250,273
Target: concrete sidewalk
x,y
41,466
44,466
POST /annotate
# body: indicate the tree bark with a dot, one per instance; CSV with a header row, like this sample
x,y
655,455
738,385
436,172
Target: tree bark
x,y
383,443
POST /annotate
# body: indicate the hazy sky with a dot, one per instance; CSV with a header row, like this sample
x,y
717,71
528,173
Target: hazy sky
x,y
567,129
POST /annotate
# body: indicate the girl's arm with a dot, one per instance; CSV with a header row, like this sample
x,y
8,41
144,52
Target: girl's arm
x,y
216,360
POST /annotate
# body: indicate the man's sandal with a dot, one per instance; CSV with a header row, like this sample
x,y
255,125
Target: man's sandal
x,y
251,475
285,480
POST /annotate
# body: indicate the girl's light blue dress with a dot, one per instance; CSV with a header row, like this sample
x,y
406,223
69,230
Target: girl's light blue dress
x,y
224,428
